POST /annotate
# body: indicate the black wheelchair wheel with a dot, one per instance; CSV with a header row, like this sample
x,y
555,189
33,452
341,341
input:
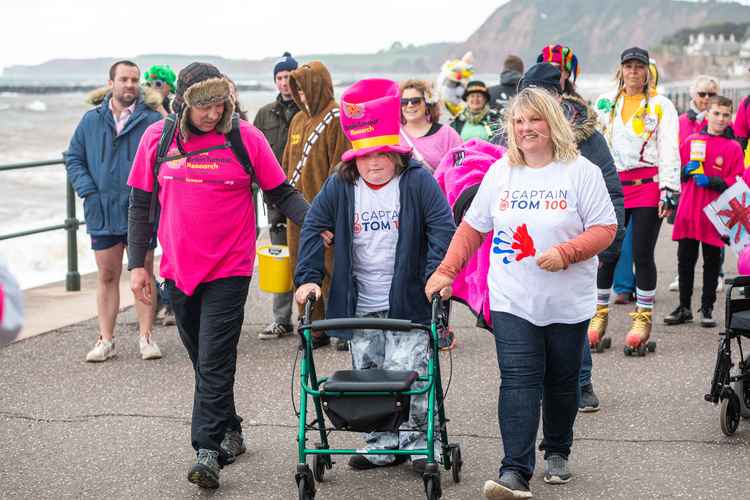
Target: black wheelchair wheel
x,y
730,414
319,467
456,463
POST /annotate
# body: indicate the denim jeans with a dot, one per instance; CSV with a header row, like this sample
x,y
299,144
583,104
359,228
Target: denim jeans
x,y
624,276
209,322
537,364
587,364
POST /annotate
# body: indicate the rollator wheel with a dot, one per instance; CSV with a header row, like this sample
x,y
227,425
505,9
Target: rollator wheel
x,y
456,463
319,468
432,488
305,492
730,414
651,346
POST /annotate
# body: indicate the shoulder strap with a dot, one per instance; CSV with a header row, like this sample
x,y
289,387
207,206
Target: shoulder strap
x,y
238,147
310,142
167,135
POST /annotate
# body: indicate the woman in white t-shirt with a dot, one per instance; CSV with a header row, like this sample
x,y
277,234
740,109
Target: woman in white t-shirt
x,y
549,214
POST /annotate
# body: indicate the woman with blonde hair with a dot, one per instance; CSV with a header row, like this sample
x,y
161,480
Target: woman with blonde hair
x,y
420,128
549,214
641,128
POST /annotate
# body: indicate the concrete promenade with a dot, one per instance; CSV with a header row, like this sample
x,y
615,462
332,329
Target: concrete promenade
x,y
121,430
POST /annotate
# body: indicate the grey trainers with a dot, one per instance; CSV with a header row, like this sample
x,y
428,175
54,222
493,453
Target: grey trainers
x,y
205,471
589,403
510,486
233,445
556,470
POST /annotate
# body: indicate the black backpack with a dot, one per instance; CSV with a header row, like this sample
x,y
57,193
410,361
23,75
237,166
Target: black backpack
x,y
234,141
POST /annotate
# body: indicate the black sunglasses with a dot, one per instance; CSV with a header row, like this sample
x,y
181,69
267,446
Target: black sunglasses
x,y
706,94
415,101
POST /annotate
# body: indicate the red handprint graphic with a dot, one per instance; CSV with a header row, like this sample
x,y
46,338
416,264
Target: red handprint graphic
x,y
523,242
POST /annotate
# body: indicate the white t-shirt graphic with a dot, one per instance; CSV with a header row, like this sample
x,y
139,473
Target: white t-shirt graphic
x,y
375,231
530,210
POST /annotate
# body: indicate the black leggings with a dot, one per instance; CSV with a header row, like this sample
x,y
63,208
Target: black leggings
x,y
646,224
687,257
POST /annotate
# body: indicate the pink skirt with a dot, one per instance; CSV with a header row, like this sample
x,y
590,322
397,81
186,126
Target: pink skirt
x,y
642,195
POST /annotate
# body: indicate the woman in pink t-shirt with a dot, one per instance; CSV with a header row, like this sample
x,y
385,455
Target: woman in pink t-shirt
x,y
420,130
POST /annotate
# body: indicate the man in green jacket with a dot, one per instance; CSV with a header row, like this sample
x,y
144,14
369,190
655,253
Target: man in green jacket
x,y
273,120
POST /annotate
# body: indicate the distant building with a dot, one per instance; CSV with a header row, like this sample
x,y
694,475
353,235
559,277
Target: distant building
x,y
714,45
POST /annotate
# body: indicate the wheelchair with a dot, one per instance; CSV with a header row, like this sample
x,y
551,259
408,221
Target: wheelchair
x,y
371,400
730,385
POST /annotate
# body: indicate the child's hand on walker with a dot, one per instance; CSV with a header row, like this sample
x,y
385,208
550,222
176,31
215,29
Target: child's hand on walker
x,y
305,290
439,283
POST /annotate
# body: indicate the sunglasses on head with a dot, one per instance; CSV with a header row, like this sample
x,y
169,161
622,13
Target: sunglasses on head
x,y
157,84
706,94
414,101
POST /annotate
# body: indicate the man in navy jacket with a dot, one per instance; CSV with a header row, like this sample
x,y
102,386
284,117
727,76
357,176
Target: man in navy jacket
x,y
98,163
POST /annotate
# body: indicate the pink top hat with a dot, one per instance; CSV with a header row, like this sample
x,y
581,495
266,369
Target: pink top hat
x,y
371,118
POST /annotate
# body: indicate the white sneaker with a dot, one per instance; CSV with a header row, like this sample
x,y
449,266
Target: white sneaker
x,y
275,331
675,285
720,285
102,351
149,349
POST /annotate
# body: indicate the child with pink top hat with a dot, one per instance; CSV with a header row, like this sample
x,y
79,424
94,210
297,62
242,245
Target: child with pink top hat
x,y
392,226
711,161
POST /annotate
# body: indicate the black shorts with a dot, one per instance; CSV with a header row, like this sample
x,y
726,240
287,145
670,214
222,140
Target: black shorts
x,y
103,242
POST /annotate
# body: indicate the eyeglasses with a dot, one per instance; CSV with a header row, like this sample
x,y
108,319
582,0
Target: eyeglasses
x,y
157,84
706,94
414,101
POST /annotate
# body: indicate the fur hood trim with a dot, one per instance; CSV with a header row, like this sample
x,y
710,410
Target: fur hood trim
x,y
581,117
151,97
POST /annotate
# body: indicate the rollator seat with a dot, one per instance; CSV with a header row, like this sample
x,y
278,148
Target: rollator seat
x,y
740,321
373,380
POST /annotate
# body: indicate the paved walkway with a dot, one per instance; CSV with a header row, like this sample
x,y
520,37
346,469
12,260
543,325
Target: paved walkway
x,y
120,430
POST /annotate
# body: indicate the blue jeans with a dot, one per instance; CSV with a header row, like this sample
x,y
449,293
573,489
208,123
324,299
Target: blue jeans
x,y
537,363
587,364
624,281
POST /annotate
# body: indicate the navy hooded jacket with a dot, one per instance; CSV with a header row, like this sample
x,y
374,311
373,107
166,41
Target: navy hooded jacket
x,y
425,230
98,163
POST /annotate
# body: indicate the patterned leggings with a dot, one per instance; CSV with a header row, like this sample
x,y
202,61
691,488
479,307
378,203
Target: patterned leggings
x,y
394,351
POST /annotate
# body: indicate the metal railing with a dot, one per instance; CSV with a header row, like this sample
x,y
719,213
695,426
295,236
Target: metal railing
x,y
71,224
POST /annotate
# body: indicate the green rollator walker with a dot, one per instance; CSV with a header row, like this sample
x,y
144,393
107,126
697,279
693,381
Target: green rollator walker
x,y
371,400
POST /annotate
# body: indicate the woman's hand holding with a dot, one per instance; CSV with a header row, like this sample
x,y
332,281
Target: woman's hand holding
x,y
439,283
304,290
551,260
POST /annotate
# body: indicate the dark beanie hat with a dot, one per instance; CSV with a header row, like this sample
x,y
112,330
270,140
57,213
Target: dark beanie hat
x,y
541,75
285,63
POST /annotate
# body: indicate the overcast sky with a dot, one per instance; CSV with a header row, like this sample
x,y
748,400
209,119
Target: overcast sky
x,y
34,31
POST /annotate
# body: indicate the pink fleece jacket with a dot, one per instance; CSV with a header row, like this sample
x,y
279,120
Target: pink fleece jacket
x,y
470,285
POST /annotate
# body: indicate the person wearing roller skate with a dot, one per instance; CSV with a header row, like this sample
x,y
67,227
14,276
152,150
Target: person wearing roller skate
x,y
641,128
549,214
711,161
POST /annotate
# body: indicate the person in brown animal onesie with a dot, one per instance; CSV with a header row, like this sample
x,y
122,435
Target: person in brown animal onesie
x,y
314,148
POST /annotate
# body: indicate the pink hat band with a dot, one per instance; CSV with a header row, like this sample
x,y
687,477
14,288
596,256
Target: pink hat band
x,y
370,117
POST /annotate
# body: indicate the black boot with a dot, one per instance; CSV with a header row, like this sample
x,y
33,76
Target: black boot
x,y
679,316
